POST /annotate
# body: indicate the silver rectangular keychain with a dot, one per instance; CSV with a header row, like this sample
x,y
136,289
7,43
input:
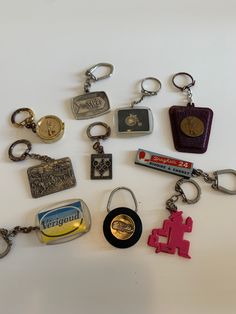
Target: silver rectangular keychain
x,y
137,120
50,176
90,105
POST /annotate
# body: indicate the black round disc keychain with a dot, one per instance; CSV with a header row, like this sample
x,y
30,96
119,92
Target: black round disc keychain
x,y
122,226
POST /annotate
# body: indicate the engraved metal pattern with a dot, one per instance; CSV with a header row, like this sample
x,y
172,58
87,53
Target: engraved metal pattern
x,y
192,126
122,227
51,177
90,105
101,166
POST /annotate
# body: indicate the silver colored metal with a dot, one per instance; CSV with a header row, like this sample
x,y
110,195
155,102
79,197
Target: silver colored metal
x,y
186,88
216,184
122,188
101,136
50,176
93,104
170,203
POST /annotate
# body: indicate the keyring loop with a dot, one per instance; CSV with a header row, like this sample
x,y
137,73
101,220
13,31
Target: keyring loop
x,y
91,70
24,122
182,88
122,188
24,155
180,190
149,92
98,137
3,234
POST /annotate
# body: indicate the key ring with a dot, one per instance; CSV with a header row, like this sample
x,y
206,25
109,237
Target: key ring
x,y
147,92
98,137
91,70
5,237
24,154
27,121
122,188
182,88
180,190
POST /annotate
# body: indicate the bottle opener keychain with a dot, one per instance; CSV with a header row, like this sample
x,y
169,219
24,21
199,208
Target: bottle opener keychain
x,y
101,164
191,126
93,104
122,226
174,227
137,121
50,176
49,128
59,223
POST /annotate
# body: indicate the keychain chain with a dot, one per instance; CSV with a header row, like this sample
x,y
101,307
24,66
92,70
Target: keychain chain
x,y
98,147
8,235
44,158
206,177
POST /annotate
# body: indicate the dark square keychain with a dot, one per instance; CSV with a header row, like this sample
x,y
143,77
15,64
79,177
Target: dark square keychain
x,y
191,126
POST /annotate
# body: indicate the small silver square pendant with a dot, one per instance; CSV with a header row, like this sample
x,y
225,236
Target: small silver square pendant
x,y
101,166
90,105
134,121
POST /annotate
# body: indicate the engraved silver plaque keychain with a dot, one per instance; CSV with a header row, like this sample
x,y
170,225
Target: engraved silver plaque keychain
x,y
101,164
90,105
137,121
50,176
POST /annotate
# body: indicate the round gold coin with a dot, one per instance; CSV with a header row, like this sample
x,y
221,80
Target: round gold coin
x,y
50,128
192,126
122,227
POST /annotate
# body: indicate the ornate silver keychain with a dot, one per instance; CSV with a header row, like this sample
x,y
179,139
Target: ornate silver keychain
x,y
59,223
122,226
50,176
49,128
93,104
101,164
137,120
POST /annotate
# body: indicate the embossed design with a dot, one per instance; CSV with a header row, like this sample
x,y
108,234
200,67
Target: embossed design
x,y
192,126
51,177
122,227
101,166
90,105
50,128
132,120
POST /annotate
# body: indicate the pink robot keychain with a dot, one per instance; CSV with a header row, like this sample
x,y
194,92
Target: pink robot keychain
x,y
175,226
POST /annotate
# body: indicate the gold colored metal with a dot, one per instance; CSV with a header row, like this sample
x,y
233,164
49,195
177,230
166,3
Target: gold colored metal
x,y
28,120
122,227
50,128
192,126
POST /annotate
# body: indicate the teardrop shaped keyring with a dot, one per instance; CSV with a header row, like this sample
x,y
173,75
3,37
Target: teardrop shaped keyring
x,y
122,226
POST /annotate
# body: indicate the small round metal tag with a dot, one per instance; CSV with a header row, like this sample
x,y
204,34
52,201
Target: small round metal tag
x,y
122,227
192,126
50,128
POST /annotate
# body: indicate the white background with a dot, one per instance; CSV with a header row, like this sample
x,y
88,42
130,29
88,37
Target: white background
x,y
45,47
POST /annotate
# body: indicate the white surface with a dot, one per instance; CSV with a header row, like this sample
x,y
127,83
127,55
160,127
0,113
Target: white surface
x,y
45,48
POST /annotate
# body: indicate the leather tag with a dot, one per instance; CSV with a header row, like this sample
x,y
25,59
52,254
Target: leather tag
x,y
191,127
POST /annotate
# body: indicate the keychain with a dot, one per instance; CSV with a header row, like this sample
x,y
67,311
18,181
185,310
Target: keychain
x,y
191,126
137,121
60,223
101,164
94,104
49,128
50,176
181,168
122,226
174,227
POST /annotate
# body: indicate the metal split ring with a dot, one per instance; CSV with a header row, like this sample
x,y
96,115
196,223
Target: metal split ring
x,y
24,154
182,88
122,188
4,236
28,120
150,92
180,190
101,136
91,70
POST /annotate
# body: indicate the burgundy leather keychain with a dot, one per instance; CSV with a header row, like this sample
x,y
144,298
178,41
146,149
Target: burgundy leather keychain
x,y
191,126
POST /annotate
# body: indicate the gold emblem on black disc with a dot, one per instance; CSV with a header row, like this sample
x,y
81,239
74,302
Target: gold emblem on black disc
x,y
192,126
122,227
